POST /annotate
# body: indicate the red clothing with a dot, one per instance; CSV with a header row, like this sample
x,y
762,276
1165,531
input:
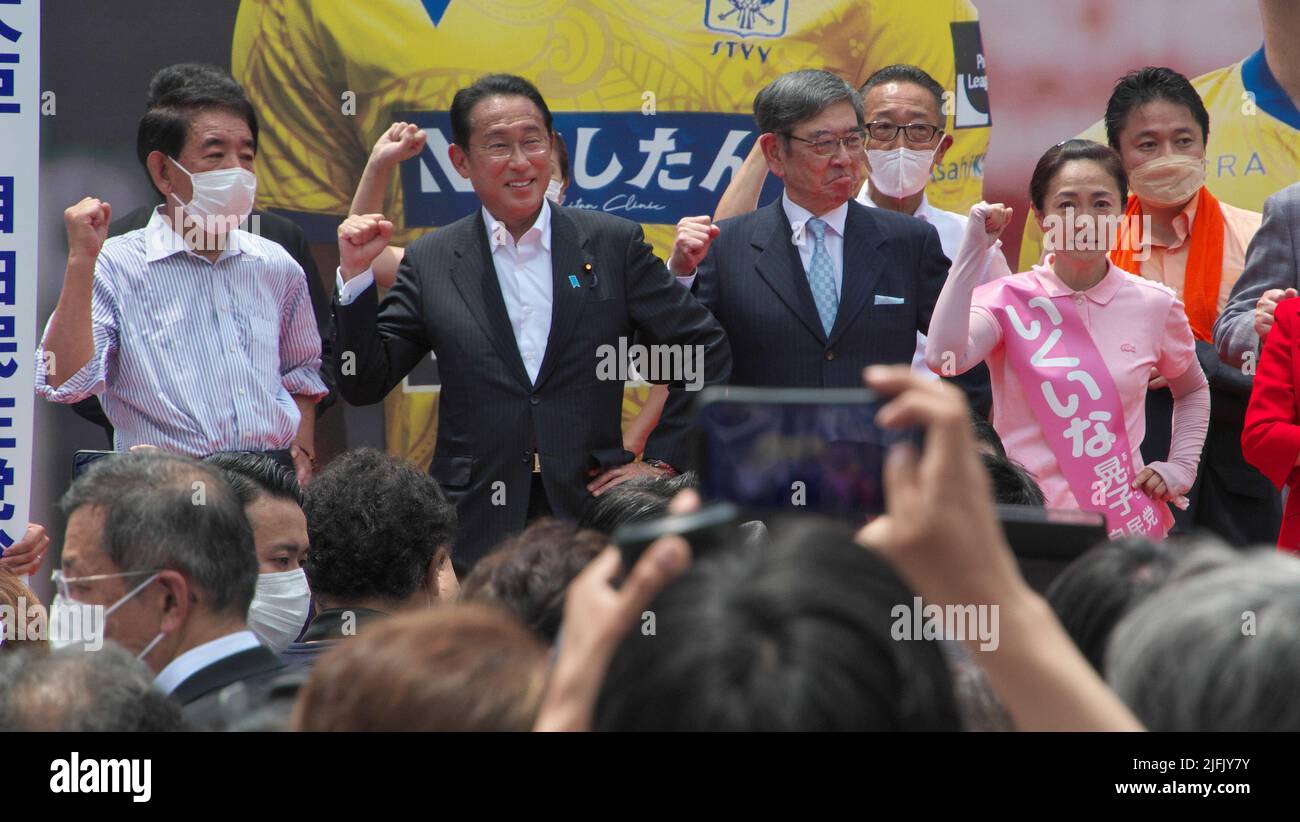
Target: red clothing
x,y
1270,439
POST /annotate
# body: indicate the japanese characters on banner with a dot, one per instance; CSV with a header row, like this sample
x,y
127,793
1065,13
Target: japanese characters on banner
x,y
20,40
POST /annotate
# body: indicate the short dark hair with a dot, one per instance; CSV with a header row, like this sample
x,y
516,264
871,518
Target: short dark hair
x,y
1095,591
71,690
986,434
793,634
1064,152
166,123
906,73
561,154
1012,482
253,475
800,95
170,79
375,525
1137,88
529,573
491,85
153,520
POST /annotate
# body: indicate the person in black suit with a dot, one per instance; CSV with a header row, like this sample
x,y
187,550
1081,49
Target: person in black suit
x,y
273,227
162,543
815,286
522,301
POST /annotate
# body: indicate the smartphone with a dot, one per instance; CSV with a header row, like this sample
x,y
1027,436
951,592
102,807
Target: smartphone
x,y
81,460
794,450
704,530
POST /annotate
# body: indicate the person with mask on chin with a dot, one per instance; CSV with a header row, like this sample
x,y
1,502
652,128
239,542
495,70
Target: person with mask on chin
x,y
197,335
272,501
1177,233
158,557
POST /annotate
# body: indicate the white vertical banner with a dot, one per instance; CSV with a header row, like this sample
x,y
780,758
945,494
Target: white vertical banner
x,y
20,133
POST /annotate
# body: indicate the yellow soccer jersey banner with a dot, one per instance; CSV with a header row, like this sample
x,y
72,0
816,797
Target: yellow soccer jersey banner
x,y
654,101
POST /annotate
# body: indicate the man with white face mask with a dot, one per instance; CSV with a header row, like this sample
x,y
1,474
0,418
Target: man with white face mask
x,y
197,335
160,554
1177,233
905,142
272,501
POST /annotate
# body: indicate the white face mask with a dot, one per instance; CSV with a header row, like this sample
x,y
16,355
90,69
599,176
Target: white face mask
x,y
900,172
280,607
553,192
222,198
74,623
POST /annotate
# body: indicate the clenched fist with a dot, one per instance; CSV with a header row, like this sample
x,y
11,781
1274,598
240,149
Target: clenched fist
x,y
401,142
361,238
985,225
1266,306
694,234
87,225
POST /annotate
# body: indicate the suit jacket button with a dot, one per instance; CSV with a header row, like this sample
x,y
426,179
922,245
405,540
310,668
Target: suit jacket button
x,y
830,355
534,399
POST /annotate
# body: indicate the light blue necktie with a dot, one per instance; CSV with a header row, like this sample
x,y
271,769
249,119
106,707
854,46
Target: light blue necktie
x,y
821,277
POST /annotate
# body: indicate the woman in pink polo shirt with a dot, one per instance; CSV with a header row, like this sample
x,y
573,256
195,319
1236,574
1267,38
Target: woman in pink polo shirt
x,y
1071,345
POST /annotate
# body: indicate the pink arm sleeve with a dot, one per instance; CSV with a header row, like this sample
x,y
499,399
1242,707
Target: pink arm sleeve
x,y
961,336
1191,421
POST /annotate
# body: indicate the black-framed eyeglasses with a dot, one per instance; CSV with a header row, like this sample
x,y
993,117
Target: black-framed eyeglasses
x,y
825,147
916,132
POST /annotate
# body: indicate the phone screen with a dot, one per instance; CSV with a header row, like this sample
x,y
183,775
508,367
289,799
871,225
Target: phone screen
x,y
795,450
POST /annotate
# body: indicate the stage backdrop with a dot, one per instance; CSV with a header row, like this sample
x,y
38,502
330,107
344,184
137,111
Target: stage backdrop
x,y
652,98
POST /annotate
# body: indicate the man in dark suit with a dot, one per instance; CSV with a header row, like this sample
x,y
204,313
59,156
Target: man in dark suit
x,y
815,286
525,304
162,544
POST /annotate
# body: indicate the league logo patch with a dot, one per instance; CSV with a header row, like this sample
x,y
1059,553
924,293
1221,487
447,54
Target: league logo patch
x,y
972,80
759,18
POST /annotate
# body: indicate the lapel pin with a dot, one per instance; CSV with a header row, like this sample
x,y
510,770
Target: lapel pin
x,y
573,280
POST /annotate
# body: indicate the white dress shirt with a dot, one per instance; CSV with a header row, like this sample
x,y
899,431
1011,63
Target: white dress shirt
x,y
524,273
201,656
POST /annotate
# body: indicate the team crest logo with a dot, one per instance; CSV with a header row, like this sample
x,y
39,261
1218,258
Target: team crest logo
x,y
760,18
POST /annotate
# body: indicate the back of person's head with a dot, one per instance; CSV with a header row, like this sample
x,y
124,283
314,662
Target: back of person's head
x,y
70,690
986,436
1094,592
636,500
794,634
377,528
23,620
1012,482
463,667
529,573
165,512
1215,651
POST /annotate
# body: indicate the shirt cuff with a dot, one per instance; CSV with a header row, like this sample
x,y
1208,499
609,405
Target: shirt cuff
x,y
350,290
76,388
687,280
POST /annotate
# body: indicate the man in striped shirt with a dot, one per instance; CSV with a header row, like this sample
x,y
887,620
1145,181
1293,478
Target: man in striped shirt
x,y
197,335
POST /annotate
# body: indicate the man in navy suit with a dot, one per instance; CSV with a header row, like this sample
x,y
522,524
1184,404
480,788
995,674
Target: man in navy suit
x,y
814,287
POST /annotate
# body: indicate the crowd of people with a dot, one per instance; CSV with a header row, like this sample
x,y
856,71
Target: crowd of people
x,y
212,576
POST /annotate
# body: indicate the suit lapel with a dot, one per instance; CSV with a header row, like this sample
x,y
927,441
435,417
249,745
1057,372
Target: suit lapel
x,y
779,265
862,267
476,277
568,257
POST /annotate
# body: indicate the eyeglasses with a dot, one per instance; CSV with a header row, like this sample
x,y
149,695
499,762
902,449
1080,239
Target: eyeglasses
x,y
826,147
916,132
61,582
501,150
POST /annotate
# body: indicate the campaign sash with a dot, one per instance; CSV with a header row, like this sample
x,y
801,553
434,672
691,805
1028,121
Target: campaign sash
x,y
1074,398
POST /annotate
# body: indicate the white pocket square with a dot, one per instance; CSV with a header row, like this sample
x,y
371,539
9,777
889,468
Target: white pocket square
x,y
883,300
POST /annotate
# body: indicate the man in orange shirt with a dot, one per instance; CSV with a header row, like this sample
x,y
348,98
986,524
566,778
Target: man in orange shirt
x,y
1180,235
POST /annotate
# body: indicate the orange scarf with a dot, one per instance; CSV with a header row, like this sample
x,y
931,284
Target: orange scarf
x,y
1204,259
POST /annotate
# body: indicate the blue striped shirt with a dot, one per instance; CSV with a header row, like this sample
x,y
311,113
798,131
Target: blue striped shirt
x,y
194,356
